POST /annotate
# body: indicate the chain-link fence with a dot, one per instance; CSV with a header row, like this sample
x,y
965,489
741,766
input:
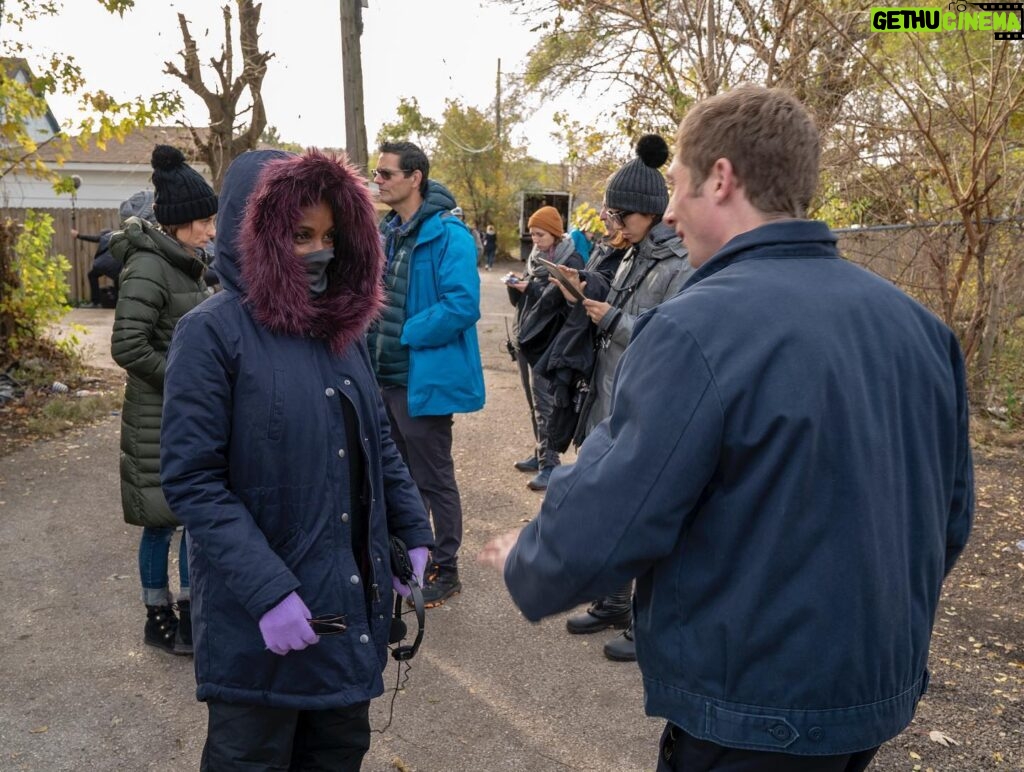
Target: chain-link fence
x,y
980,293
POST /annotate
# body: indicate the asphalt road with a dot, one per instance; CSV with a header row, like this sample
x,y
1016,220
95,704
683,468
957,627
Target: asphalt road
x,y
488,691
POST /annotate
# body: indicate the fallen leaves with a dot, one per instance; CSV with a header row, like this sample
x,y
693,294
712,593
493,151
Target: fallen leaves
x,y
941,738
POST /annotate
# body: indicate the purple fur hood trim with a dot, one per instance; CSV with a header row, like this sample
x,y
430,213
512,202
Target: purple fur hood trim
x,y
274,277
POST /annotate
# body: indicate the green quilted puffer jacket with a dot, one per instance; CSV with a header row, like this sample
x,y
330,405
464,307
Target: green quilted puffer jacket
x,y
160,281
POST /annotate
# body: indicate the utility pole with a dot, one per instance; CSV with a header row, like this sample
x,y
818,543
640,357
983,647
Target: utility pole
x,y
497,106
352,81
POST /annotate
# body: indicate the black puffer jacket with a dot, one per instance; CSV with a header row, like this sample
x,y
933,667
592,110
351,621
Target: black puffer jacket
x,y
160,281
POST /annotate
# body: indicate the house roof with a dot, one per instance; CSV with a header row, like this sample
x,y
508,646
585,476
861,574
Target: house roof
x,y
137,147
18,69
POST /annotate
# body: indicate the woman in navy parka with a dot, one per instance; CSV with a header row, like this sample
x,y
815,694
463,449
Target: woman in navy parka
x,y
277,456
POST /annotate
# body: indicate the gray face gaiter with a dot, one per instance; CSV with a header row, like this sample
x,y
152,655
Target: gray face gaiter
x,y
316,269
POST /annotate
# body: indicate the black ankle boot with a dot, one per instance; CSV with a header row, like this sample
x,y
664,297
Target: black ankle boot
x,y
621,648
442,585
610,611
183,635
161,627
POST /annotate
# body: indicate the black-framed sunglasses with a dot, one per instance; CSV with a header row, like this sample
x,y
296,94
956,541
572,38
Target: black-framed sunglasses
x,y
387,174
329,624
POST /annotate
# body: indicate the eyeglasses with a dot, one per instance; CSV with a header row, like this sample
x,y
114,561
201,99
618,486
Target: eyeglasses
x,y
617,215
387,174
331,624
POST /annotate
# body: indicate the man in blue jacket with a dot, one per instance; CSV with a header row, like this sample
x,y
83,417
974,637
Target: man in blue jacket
x,y
786,471
424,347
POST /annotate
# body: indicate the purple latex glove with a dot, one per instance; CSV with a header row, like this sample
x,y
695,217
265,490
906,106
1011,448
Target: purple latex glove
x,y
418,557
286,626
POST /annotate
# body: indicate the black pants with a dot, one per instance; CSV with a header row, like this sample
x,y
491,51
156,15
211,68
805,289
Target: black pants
x,y
104,265
542,403
425,443
681,752
248,737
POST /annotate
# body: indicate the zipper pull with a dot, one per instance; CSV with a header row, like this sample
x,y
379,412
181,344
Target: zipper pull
x,y
375,589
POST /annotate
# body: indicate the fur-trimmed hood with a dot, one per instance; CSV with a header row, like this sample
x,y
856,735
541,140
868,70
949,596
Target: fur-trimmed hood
x,y
261,201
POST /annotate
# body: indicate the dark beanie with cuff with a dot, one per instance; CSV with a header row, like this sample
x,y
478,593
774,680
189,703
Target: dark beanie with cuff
x,y
639,186
182,195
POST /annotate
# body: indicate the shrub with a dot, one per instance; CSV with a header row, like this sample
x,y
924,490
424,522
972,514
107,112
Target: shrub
x,y
33,293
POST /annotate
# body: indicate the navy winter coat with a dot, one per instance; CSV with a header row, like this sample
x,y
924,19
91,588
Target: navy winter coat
x,y
255,460
786,471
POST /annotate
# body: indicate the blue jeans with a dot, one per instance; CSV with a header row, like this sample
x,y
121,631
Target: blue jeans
x,y
153,548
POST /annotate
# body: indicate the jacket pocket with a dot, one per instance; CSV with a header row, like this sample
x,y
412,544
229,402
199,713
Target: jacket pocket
x,y
287,543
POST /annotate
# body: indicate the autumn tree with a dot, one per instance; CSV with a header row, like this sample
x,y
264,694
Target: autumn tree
x,y
234,102
932,138
32,289
648,60
104,118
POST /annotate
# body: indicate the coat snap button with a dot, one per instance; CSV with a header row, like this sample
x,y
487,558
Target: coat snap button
x,y
779,732
364,638
344,517
329,391
354,579
815,733
341,453
348,382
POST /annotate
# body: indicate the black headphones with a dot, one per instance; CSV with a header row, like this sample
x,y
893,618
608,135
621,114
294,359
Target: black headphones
x,y
401,567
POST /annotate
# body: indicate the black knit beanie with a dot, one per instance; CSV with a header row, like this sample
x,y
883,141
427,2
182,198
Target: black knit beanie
x,y
182,195
639,186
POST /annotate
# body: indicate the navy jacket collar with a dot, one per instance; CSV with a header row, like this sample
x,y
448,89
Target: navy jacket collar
x,y
785,238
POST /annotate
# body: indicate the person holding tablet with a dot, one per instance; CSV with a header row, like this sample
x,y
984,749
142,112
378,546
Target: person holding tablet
x,y
551,245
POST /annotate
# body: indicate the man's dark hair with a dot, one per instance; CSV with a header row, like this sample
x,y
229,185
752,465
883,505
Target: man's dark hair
x,y
410,159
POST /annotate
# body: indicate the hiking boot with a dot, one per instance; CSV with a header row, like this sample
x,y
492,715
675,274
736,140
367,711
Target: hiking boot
x,y
601,615
161,628
540,481
440,586
528,465
621,648
183,635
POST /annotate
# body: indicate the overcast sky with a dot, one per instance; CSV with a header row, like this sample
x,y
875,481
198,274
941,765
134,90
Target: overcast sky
x,y
430,49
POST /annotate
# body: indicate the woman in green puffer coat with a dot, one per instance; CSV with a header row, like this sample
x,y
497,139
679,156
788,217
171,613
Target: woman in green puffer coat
x,y
161,279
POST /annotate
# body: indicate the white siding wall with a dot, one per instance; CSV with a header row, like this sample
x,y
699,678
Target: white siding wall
x,y
104,186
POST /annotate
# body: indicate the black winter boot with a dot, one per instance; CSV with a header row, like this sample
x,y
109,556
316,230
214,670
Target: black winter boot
x,y
610,611
528,464
621,648
183,636
161,627
442,584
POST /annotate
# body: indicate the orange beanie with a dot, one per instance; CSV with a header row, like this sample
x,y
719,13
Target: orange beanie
x,y
547,219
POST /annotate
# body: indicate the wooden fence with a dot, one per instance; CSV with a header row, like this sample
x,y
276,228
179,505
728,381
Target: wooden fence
x,y
79,253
